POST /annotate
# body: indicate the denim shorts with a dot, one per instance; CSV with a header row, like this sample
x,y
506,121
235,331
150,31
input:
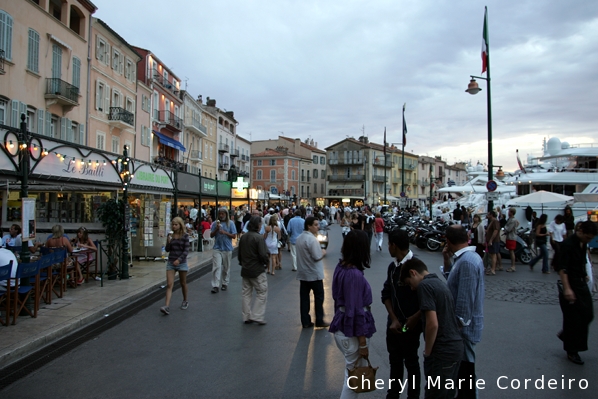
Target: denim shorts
x,y
182,267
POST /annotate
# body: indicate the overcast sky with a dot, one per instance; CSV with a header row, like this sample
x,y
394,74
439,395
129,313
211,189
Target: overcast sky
x,y
326,69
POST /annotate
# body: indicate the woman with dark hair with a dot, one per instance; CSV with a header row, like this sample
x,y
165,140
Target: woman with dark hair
x,y
541,243
353,324
478,235
569,220
82,241
177,246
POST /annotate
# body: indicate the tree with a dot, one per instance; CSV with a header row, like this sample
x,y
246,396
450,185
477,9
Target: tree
x,y
111,215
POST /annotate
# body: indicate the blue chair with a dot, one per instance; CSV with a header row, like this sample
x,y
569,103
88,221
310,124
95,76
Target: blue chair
x,y
5,272
45,278
22,294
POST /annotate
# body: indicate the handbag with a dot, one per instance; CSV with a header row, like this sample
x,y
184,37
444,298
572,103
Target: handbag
x,y
280,244
362,374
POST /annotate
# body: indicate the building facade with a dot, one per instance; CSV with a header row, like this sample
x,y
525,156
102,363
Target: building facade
x,y
113,97
210,151
276,171
194,133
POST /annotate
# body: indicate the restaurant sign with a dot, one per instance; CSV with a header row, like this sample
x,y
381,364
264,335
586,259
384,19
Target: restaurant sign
x,y
208,186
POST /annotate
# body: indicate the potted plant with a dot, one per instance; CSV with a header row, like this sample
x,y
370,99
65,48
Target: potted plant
x,y
110,213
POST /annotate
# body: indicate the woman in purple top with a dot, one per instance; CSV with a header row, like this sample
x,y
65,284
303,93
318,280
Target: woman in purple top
x,y
177,246
353,323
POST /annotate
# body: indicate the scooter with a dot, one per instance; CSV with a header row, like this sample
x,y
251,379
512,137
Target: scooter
x,y
522,251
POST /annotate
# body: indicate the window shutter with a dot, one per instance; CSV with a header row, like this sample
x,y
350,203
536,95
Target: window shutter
x,y
107,54
98,47
48,123
14,115
82,134
98,98
76,72
107,99
40,121
63,128
69,131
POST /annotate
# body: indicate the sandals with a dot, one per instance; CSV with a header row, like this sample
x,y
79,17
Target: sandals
x,y
511,269
490,273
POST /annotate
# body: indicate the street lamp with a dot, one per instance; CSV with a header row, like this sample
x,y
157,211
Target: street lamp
x,y
431,189
123,165
473,89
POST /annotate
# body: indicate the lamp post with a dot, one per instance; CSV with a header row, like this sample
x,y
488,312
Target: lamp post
x,y
431,189
473,89
24,148
126,177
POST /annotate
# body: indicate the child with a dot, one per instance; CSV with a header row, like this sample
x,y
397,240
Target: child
x,y
444,345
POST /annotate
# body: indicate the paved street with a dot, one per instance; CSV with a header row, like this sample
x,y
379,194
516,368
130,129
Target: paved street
x,y
207,352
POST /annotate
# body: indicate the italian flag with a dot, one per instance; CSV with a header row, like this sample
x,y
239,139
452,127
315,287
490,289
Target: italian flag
x,y
485,42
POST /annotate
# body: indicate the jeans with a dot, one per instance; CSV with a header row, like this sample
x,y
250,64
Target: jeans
x,y
403,348
443,370
543,248
257,310
305,288
467,369
380,238
349,347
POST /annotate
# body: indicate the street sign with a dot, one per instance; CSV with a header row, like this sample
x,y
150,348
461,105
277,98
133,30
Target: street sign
x,y
491,185
403,194
491,196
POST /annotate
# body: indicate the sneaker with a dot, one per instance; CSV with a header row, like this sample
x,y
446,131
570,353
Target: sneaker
x,y
379,248
224,287
184,305
165,310
214,290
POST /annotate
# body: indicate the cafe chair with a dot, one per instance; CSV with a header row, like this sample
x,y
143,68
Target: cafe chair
x,y
45,278
4,293
58,269
91,264
207,240
20,294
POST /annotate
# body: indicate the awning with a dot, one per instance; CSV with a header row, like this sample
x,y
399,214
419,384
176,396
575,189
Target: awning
x,y
344,186
169,142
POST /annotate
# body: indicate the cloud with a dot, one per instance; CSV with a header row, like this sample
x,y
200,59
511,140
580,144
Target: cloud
x,y
332,69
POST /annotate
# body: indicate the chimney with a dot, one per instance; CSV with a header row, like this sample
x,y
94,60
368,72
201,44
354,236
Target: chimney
x,y
297,144
211,102
311,142
200,99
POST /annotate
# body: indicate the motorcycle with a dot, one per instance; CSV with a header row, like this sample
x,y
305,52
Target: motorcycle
x,y
523,253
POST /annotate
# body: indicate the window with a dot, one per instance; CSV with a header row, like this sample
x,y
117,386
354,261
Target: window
x,y
145,103
130,105
102,50
165,75
33,51
156,105
315,188
115,144
3,112
315,174
272,175
145,136
322,188
130,70
211,152
100,140
117,60
322,161
6,35
273,162
323,175
293,175
76,72
102,96
258,175
117,100
259,162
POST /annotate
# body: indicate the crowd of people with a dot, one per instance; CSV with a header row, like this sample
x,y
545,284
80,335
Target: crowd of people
x,y
449,314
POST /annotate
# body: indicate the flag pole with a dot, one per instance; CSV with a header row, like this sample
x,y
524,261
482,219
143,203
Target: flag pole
x,y
488,96
385,165
403,156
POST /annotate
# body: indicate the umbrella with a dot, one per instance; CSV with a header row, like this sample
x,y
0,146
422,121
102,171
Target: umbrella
x,y
541,198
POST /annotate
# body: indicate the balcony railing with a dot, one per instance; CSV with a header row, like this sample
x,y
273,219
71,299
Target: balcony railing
x,y
234,153
345,177
64,92
223,166
223,147
245,158
171,121
197,127
120,115
380,162
345,161
379,178
170,163
195,155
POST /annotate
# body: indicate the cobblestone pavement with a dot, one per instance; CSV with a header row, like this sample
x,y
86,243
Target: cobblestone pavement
x,y
523,291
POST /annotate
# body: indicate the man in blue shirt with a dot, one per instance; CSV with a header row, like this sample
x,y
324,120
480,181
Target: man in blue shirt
x,y
294,229
223,232
466,284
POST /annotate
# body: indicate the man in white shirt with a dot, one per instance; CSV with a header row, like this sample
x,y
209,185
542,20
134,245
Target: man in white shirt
x,y
5,257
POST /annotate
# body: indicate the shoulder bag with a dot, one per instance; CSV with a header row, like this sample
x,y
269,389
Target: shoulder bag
x,y
362,374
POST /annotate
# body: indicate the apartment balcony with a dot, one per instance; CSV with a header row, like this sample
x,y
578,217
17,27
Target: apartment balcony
x,y
380,162
197,128
159,78
121,118
170,163
379,178
234,154
345,177
61,92
395,180
223,148
245,158
346,161
195,155
223,166
423,182
170,121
